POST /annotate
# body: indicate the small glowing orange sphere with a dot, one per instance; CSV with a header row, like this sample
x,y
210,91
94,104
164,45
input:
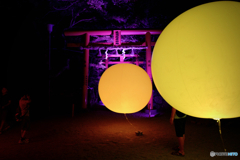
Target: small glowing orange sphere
x,y
125,88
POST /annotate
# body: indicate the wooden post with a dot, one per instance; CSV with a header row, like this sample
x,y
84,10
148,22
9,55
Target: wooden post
x,y
121,59
137,62
148,64
86,68
106,63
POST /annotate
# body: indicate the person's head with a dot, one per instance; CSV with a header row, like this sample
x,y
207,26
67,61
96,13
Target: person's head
x,y
4,90
25,95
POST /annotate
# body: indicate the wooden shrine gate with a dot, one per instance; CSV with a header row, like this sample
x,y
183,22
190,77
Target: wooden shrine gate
x,y
117,44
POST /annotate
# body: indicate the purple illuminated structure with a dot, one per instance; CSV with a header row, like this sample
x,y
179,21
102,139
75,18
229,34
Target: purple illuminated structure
x,y
117,44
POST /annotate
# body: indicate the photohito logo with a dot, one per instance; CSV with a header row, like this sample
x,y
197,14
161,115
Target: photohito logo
x,y
212,153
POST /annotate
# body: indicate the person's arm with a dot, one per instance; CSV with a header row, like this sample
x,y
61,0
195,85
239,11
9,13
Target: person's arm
x,y
18,110
4,106
172,115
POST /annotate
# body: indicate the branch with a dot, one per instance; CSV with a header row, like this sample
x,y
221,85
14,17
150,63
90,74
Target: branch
x,y
85,20
66,7
73,18
64,68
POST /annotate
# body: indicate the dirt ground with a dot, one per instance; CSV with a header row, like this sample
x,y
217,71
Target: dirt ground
x,y
103,135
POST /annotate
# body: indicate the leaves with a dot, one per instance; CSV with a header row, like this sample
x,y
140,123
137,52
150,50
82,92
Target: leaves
x,y
96,4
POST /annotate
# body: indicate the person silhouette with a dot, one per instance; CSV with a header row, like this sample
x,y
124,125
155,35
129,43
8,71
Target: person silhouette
x,y
24,104
179,120
4,108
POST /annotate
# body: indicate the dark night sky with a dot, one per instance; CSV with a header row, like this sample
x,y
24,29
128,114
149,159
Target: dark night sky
x,y
25,37
20,38
19,21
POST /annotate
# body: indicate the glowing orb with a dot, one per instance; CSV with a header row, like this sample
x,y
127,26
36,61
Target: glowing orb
x,y
196,61
125,88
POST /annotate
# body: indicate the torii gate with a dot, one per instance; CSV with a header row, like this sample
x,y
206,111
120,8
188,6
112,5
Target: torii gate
x,y
116,44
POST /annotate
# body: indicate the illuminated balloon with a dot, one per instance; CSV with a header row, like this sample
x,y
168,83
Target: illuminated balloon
x,y
125,88
196,61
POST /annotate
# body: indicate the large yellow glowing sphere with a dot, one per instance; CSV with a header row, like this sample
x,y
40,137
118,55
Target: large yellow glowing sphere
x,y
196,61
125,88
